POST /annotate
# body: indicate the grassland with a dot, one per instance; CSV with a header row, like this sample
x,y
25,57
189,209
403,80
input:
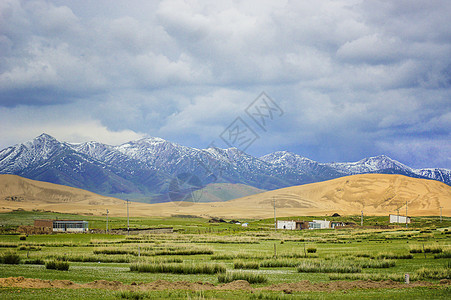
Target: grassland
x,y
217,253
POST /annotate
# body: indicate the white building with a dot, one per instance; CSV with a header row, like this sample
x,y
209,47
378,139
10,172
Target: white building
x,y
319,224
289,225
399,219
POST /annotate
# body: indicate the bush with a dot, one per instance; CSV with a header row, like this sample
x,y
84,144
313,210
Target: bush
x,y
311,250
249,277
246,265
23,238
10,258
57,265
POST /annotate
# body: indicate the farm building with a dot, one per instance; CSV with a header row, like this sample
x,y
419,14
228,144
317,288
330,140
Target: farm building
x,y
319,224
399,219
63,225
292,225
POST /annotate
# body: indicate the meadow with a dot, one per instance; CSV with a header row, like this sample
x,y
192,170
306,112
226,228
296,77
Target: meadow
x,y
371,261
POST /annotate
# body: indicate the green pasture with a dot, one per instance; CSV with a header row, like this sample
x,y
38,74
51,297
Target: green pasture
x,y
371,252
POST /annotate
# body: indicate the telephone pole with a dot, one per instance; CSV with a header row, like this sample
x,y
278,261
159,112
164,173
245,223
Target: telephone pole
x,y
361,219
398,215
441,214
128,220
406,214
275,221
107,221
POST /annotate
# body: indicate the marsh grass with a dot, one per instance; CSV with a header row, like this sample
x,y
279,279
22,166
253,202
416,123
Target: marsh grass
x,y
240,275
91,258
366,276
279,263
8,245
186,251
57,265
328,267
10,258
434,273
115,251
444,254
389,255
35,261
178,268
232,256
248,265
375,263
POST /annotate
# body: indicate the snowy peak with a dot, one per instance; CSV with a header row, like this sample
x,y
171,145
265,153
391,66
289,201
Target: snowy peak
x,y
369,165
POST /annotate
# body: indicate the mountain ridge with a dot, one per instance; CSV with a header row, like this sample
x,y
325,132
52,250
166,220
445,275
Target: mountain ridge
x,y
148,167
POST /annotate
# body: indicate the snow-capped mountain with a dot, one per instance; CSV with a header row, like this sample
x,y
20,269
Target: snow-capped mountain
x,y
145,168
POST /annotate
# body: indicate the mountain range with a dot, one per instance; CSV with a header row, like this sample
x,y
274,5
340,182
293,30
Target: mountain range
x,y
155,170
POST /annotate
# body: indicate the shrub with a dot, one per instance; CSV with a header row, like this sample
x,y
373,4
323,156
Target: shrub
x,y
249,277
246,265
10,258
311,250
178,268
57,265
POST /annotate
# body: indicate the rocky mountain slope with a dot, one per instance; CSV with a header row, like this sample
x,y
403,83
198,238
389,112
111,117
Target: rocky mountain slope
x,y
155,170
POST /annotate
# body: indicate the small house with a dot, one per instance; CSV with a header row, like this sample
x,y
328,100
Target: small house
x,y
398,219
63,225
319,224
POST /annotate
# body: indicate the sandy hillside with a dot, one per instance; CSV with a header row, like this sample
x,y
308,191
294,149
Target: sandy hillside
x,y
375,194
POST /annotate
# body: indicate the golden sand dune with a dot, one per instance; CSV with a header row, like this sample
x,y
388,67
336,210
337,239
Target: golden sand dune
x,y
375,194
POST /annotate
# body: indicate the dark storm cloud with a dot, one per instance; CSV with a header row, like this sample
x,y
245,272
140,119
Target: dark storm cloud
x,y
355,78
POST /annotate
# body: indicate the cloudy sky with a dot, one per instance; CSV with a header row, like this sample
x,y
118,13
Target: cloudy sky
x,y
346,79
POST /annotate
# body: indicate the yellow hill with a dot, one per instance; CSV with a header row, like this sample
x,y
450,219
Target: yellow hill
x,y
375,194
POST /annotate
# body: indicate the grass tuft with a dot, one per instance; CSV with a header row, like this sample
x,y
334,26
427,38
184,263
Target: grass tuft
x,y
328,267
178,268
10,258
249,277
248,265
57,265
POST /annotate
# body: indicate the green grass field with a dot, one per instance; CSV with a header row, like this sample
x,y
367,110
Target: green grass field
x,y
199,251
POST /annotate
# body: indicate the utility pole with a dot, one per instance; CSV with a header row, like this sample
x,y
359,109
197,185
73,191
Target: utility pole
x,y
361,219
128,220
441,214
398,215
107,221
275,221
406,214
